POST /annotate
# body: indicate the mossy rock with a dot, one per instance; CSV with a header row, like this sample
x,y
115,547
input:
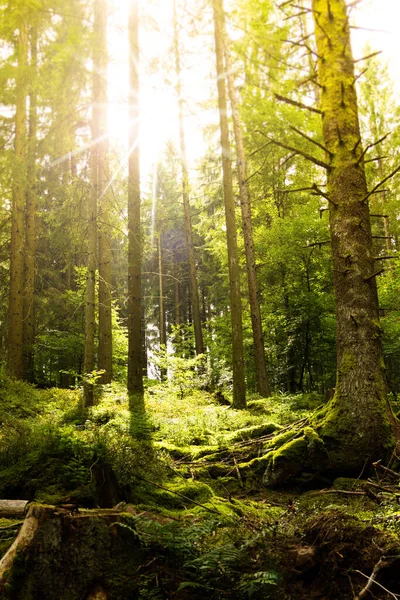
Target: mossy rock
x,y
347,483
299,459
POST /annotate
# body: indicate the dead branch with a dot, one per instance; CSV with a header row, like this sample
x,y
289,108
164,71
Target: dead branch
x,y
302,44
383,488
368,56
238,472
320,244
382,563
260,148
296,103
375,159
364,152
360,75
280,6
310,139
378,464
312,159
299,14
392,174
366,279
344,492
319,192
292,190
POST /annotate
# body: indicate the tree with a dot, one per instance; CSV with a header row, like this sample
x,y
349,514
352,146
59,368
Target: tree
x,y
241,162
358,413
15,363
135,376
30,216
104,238
97,125
355,426
193,286
239,392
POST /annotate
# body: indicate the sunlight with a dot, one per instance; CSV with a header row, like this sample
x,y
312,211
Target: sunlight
x,y
158,118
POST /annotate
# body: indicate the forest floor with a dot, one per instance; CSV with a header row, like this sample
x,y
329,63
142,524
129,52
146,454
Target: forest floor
x,y
191,487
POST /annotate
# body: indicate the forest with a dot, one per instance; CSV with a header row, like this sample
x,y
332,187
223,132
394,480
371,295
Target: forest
x,y
199,315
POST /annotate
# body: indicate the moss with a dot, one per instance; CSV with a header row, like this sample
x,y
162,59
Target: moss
x,y
252,432
302,457
347,363
171,496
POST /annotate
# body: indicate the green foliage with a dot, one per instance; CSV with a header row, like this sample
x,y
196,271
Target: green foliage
x,y
261,582
183,373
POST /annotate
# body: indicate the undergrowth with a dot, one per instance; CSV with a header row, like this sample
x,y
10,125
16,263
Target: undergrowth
x,y
194,486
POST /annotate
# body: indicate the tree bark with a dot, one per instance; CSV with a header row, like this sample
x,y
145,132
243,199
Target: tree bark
x,y
30,221
357,420
193,287
241,162
15,363
90,290
135,375
68,556
104,238
239,391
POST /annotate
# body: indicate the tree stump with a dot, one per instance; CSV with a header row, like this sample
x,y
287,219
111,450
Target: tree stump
x,y
69,556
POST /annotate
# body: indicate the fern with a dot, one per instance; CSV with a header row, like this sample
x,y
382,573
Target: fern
x,y
190,584
253,583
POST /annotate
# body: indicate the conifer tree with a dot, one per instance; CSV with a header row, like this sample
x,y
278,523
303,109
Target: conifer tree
x,y
239,391
357,419
135,374
15,363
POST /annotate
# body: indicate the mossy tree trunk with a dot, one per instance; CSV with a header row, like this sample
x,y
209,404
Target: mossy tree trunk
x,y
357,425
357,419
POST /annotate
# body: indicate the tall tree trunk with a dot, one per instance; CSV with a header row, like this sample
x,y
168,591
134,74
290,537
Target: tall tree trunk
x,y
239,391
193,287
15,366
163,333
30,221
135,375
105,253
357,419
161,316
241,161
90,290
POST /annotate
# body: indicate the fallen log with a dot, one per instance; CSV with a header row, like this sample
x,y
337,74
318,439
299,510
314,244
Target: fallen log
x,y
13,508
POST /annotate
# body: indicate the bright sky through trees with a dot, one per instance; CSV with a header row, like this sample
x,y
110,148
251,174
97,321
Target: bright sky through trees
x,y
158,100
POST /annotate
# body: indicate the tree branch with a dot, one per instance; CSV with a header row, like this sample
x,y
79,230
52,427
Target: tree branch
x,y
364,152
323,194
310,139
392,174
368,56
298,104
312,159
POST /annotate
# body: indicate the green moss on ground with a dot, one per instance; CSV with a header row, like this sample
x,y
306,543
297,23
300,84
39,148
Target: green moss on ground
x,y
228,536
